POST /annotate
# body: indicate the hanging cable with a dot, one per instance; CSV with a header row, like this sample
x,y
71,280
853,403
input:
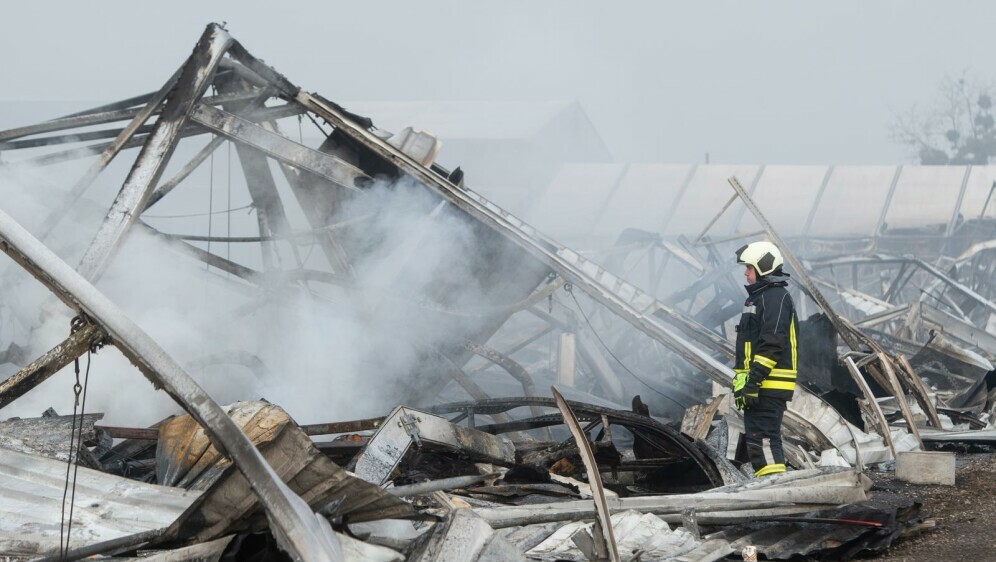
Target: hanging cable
x,y
79,440
210,213
63,539
195,215
228,177
75,442
570,291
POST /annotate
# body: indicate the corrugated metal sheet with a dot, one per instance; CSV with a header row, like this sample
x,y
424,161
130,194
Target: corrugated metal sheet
x,y
106,507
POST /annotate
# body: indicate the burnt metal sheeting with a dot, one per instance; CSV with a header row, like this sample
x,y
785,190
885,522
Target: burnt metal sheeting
x,y
464,537
792,492
406,427
838,534
658,437
106,506
639,535
49,436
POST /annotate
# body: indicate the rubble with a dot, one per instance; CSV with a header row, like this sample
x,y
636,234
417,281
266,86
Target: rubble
x,y
634,454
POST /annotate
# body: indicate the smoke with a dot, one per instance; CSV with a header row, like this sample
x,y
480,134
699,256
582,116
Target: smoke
x,y
322,351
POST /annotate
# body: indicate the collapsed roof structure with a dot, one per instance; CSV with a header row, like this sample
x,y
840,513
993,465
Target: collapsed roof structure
x,y
528,481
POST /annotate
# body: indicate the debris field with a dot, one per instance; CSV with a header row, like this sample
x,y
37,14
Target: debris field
x,y
574,405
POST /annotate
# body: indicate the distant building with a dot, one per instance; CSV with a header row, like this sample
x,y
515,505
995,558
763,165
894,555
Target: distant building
x,y
593,203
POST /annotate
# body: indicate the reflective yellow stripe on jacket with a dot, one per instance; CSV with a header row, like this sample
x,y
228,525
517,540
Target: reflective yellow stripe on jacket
x,y
777,379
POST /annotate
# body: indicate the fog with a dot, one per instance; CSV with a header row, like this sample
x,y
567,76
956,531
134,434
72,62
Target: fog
x,y
775,82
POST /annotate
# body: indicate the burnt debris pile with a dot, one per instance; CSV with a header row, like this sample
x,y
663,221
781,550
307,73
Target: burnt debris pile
x,y
524,399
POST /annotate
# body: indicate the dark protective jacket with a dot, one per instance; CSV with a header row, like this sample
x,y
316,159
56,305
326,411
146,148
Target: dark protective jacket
x,y
766,337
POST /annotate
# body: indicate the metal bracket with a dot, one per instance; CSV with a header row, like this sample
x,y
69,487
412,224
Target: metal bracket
x,y
410,424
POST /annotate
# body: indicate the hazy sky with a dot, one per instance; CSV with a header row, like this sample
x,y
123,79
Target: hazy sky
x,y
771,82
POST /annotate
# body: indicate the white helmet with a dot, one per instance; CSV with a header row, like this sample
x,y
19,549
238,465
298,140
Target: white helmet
x,y
764,256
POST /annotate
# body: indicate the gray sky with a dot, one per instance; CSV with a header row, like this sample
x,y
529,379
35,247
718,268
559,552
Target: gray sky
x,y
772,82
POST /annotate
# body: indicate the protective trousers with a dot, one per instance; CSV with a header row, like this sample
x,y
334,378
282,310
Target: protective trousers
x,y
763,425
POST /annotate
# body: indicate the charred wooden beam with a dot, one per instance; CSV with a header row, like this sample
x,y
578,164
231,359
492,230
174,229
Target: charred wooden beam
x,y
143,433
50,363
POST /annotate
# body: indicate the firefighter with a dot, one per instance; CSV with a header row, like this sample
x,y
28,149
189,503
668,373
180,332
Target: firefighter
x,y
767,357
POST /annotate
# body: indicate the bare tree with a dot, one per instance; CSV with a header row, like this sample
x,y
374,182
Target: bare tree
x,y
958,129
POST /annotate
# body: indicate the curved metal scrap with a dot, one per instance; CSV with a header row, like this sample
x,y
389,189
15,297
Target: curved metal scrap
x,y
594,479
656,434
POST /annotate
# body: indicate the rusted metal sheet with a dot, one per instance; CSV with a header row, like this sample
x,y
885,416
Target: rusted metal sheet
x,y
185,456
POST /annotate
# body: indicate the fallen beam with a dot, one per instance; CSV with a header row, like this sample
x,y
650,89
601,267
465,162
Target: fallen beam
x,y
798,491
295,526
50,363
424,488
605,539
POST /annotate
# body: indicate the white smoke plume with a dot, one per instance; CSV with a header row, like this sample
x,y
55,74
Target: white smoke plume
x,y
323,352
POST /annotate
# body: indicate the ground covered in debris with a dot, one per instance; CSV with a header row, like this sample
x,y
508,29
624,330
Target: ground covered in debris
x,y
963,513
